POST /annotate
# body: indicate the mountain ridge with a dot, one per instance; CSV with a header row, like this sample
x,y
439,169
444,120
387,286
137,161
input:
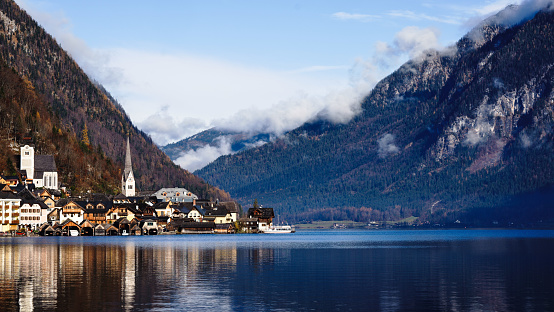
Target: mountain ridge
x,y
441,138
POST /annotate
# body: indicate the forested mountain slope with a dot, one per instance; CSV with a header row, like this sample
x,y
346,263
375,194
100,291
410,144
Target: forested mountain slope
x,y
79,104
464,134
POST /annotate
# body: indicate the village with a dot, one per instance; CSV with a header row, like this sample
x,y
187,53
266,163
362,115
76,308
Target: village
x,y
34,204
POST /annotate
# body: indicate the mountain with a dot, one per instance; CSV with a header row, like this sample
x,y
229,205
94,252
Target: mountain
x,y
459,135
79,109
236,141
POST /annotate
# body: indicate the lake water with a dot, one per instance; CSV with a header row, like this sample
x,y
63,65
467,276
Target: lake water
x,y
423,270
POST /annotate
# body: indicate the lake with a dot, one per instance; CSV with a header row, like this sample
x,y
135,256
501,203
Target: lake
x,y
382,270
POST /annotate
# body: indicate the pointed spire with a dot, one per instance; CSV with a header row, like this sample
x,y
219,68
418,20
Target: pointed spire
x,y
128,164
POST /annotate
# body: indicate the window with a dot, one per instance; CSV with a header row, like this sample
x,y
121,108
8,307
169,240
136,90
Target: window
x,y
27,153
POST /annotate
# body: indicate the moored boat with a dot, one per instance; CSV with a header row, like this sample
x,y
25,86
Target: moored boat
x,y
276,229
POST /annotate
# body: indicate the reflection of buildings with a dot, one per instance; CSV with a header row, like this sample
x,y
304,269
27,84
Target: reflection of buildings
x,y
46,276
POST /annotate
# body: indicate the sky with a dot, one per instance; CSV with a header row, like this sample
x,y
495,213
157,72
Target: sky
x,y
180,67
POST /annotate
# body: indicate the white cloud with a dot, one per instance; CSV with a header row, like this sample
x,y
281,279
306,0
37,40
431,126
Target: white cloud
x,y
412,41
196,159
355,16
189,86
525,11
481,129
163,128
420,16
339,105
387,146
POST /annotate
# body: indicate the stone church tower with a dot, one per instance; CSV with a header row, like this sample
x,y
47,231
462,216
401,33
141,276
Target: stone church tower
x,y
128,179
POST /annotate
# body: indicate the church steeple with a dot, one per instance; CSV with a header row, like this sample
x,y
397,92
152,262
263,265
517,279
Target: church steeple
x,y
128,164
128,179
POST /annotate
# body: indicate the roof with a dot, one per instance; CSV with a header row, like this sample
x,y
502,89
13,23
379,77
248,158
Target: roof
x,y
231,206
68,222
34,201
45,163
224,226
26,194
162,205
119,196
216,212
248,219
261,212
107,205
9,195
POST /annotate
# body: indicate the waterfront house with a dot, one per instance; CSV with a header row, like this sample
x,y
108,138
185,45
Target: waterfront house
x,y
111,230
99,230
116,212
71,210
149,226
96,211
33,213
184,227
225,228
70,228
136,230
125,225
181,210
163,209
248,225
232,207
9,211
264,215
87,228
148,211
218,215
196,213
46,230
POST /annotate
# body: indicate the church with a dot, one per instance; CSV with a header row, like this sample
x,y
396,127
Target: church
x,y
40,169
128,179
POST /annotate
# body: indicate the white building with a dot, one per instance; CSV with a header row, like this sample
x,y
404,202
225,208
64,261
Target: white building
x,y
9,211
40,169
175,195
33,214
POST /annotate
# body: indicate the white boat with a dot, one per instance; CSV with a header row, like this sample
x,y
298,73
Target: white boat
x,y
277,229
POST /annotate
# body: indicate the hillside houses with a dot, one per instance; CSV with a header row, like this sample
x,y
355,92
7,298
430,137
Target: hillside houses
x,y
41,211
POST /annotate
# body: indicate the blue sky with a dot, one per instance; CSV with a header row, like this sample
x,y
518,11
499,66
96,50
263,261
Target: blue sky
x,y
179,67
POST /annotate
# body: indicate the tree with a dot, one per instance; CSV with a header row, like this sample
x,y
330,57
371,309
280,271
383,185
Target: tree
x,y
85,140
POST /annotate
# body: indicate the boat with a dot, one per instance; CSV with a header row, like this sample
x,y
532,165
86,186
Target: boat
x,y
280,229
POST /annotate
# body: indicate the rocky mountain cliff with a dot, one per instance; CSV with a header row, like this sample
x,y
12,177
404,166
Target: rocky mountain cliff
x,y
463,134
78,104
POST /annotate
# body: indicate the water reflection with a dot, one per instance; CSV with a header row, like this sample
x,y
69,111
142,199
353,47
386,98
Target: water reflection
x,y
293,273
